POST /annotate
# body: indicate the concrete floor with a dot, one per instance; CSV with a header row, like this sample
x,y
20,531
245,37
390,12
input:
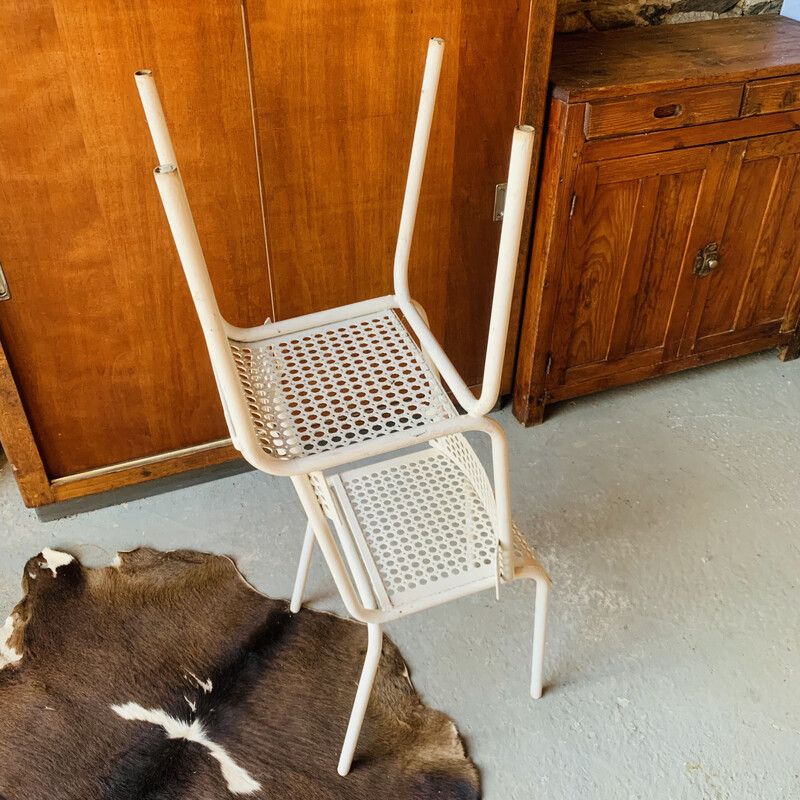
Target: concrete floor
x,y
668,516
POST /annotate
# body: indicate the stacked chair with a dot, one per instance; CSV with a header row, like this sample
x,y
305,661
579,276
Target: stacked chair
x,y
420,523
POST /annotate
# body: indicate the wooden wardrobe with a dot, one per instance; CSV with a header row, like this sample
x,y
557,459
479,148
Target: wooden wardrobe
x,y
293,124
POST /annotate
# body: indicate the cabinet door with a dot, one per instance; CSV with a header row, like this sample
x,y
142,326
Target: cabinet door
x,y
625,288
747,295
100,332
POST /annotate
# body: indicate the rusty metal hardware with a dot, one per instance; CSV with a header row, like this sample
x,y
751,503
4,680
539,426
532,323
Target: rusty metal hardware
x,y
706,260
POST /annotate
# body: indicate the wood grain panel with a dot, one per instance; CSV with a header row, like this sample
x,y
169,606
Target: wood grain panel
x,y
662,110
663,57
598,242
622,291
765,295
491,62
640,372
106,349
336,90
659,141
748,295
18,444
770,96
563,145
644,311
541,23
737,248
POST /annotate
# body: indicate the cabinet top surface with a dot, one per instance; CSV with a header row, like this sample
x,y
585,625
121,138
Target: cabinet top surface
x,y
639,60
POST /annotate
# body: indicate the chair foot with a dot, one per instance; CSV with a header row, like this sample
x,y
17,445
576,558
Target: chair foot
x,y
368,672
302,570
539,631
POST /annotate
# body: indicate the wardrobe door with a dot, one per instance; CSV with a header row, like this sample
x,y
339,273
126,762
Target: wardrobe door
x,y
100,332
336,89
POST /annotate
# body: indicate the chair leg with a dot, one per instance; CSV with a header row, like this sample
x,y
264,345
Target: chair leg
x,y
302,570
368,672
539,631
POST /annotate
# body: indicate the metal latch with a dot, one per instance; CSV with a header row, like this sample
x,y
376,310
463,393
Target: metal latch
x,y
499,201
707,259
5,294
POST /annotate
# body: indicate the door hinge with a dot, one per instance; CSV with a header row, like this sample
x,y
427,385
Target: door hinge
x,y
499,201
572,205
548,364
5,293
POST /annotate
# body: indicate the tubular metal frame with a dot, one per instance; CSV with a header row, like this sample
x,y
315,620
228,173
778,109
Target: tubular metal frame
x,y
324,497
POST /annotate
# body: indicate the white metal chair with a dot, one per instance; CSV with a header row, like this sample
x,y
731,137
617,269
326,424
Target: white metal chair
x,y
308,396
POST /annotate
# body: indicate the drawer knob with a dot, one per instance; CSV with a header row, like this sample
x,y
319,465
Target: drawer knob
x,y
707,259
672,110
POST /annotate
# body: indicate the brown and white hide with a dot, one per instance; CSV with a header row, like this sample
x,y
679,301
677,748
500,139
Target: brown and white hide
x,y
168,677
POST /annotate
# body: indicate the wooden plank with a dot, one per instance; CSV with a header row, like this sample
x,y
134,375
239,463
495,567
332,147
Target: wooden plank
x,y
781,144
649,299
624,314
713,133
563,146
737,247
636,167
532,112
133,475
770,96
715,341
719,189
598,240
637,60
588,372
641,373
660,111
490,103
16,439
767,288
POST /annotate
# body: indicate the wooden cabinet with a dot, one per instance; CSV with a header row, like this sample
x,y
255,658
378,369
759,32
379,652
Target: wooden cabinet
x,y
293,124
666,222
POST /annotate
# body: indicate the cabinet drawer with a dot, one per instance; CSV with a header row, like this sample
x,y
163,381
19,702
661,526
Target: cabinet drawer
x,y
662,110
769,96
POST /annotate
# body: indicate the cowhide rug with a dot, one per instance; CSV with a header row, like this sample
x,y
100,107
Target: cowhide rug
x,y
167,676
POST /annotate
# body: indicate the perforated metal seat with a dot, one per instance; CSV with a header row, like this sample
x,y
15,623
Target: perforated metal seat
x,y
422,526
327,387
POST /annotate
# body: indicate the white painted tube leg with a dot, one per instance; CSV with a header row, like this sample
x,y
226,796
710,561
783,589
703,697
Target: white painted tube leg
x,y
302,570
419,150
539,632
370,669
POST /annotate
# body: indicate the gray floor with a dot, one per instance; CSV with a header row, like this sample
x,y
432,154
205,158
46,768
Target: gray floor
x,y
668,516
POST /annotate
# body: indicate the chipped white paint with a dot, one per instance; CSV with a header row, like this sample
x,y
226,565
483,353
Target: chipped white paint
x,y
8,655
238,779
53,559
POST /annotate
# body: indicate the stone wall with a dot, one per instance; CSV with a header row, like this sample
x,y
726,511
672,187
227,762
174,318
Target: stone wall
x,y
584,15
